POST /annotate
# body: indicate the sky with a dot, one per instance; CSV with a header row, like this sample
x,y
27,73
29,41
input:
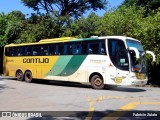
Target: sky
x,y
7,6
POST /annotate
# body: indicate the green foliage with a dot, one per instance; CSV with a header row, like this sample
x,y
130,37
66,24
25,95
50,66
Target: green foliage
x,y
86,27
128,3
124,21
11,26
149,5
3,24
36,28
72,8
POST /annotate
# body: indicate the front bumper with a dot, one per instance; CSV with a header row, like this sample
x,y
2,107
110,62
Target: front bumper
x,y
138,82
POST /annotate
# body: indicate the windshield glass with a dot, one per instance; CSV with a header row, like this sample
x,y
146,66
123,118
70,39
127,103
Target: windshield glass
x,y
137,65
136,44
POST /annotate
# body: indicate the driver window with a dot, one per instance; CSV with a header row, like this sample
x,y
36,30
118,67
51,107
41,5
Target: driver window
x,y
122,56
118,53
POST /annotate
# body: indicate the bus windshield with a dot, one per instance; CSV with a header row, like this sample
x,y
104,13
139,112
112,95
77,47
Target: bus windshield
x,y
136,44
137,65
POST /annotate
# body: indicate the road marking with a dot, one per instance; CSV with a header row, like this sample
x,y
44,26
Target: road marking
x,y
91,107
126,107
101,98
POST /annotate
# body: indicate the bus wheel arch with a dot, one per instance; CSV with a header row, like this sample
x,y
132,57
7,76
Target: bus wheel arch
x,y
28,76
96,80
19,75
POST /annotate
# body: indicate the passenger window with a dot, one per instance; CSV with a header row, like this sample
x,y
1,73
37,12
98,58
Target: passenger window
x,y
85,47
44,50
18,52
22,51
77,48
52,50
36,50
93,47
59,49
102,48
28,50
65,51
7,51
13,51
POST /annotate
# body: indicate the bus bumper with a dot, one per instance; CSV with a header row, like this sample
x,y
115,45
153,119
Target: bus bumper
x,y
139,82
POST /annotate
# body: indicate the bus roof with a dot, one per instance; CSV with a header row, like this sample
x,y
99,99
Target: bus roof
x,y
70,39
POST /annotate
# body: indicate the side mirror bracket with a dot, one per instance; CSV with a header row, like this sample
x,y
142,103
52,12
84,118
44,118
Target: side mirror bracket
x,y
153,55
136,52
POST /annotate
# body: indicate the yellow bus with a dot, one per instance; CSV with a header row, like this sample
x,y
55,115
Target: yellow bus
x,y
109,60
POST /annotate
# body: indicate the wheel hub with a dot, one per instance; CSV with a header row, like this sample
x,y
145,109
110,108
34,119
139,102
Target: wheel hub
x,y
98,82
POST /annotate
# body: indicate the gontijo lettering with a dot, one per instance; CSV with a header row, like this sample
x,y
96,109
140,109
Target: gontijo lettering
x,y
36,60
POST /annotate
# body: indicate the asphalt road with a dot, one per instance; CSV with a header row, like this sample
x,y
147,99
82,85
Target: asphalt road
x,y
58,100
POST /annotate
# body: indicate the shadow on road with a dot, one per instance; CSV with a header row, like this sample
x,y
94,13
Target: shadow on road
x,y
1,88
2,85
62,83
128,89
79,85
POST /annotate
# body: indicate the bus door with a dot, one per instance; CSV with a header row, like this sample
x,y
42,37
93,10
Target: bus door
x,y
120,62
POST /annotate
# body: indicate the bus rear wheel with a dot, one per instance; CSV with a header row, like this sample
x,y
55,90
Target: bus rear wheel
x,y
97,82
19,75
28,76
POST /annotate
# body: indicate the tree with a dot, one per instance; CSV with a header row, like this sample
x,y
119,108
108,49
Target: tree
x,y
11,26
43,27
73,8
3,25
128,3
149,5
14,26
17,14
84,27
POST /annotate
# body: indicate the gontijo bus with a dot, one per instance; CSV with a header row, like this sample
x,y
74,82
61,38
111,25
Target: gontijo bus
x,y
110,60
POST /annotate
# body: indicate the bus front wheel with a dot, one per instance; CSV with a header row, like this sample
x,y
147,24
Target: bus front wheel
x,y
28,76
19,75
97,82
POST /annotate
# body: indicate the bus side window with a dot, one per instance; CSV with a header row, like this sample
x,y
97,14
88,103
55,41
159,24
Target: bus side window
x,y
77,48
84,47
44,50
36,50
18,52
59,49
93,47
102,49
89,49
7,51
29,51
65,50
22,51
52,50
13,51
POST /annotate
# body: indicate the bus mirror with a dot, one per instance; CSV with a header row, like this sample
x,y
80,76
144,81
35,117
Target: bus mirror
x,y
153,55
136,51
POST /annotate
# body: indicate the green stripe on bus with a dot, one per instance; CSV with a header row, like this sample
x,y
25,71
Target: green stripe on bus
x,y
60,65
73,65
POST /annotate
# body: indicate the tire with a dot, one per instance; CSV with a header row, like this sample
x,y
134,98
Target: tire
x,y
97,82
19,75
28,76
